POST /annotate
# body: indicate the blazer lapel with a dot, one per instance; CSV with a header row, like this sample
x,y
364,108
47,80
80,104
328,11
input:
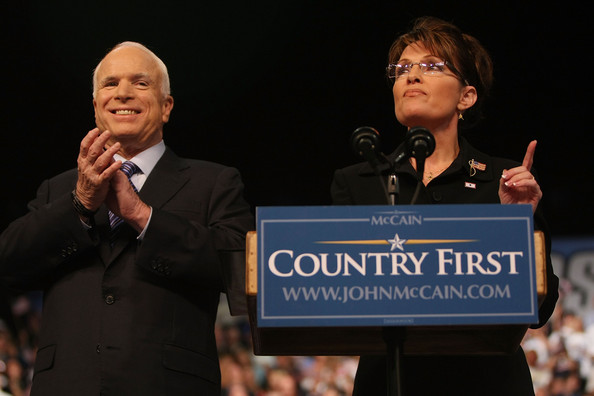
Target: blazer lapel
x,y
166,180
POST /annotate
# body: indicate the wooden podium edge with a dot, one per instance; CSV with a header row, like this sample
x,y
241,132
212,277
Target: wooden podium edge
x,y
251,268
540,259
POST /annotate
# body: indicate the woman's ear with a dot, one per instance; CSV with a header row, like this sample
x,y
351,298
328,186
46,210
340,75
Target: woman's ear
x,y
468,98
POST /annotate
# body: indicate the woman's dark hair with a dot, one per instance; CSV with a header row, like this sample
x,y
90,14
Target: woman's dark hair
x,y
445,40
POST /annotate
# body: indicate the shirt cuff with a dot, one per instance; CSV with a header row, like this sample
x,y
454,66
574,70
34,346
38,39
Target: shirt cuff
x,y
141,236
86,226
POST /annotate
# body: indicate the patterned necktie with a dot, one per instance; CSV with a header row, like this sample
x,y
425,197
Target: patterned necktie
x,y
129,168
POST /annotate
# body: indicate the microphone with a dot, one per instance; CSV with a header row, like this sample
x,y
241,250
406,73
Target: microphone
x,y
420,143
365,142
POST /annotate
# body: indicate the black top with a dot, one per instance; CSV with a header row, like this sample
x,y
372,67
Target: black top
x,y
459,184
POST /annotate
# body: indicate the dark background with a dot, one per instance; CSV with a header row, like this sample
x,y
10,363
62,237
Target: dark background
x,y
276,88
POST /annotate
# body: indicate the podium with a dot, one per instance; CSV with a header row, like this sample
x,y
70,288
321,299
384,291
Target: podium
x,y
420,340
468,338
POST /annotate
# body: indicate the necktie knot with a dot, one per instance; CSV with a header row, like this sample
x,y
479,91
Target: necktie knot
x,y
129,168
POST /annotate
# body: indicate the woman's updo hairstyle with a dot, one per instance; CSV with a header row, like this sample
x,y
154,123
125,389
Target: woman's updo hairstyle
x,y
447,42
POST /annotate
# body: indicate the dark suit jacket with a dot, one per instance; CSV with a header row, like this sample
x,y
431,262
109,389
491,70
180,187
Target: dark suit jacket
x,y
444,375
136,318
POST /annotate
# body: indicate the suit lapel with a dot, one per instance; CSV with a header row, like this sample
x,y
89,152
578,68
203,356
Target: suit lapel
x,y
167,179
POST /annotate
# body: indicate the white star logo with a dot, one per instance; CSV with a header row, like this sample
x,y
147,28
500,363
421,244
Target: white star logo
x,y
397,243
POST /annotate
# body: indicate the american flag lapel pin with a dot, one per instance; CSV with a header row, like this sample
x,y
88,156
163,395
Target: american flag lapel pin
x,y
474,165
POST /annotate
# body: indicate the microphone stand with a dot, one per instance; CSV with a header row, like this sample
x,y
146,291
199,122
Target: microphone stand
x,y
392,187
419,144
420,171
394,335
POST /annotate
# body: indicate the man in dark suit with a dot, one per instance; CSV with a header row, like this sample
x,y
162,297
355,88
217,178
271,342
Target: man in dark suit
x,y
129,309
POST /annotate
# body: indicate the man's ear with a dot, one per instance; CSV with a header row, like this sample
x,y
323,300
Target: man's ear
x,y
167,106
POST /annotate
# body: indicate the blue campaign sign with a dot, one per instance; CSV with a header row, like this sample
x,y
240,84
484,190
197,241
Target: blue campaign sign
x,y
396,265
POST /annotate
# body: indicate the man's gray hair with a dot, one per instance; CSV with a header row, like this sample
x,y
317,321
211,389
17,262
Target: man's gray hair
x,y
165,85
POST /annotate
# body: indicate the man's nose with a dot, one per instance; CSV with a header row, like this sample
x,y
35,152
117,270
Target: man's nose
x,y
124,91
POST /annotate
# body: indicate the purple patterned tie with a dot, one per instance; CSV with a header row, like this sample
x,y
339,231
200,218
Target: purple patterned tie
x,y
129,168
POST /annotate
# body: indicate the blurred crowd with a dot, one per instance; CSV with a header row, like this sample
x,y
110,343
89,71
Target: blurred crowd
x,y
560,355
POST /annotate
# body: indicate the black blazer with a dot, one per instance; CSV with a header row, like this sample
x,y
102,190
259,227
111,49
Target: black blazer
x,y
459,184
136,318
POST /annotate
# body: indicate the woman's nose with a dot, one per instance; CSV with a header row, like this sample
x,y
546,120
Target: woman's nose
x,y
414,73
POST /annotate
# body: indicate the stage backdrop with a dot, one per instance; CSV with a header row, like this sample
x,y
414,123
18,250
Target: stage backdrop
x,y
573,261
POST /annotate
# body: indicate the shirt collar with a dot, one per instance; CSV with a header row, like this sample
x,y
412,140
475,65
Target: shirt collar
x,y
147,159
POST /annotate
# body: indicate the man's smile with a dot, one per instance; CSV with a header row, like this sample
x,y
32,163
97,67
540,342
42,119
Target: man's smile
x,y
125,112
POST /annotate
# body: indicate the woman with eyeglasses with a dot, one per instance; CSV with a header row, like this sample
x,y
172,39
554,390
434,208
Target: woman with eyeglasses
x,y
440,78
